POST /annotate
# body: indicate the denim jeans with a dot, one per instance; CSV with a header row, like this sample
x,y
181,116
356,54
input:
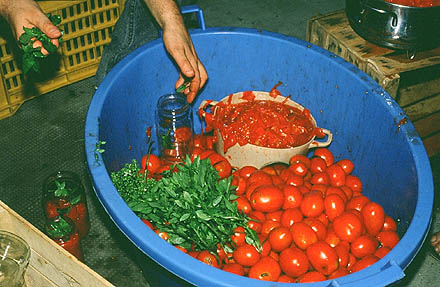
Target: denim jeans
x,y
134,28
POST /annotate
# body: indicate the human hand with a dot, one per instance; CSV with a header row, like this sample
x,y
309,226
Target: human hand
x,y
27,13
178,43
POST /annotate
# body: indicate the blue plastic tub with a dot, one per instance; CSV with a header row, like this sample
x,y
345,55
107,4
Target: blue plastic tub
x,y
391,161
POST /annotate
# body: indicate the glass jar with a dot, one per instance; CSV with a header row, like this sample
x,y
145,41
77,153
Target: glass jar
x,y
64,195
15,254
63,231
174,127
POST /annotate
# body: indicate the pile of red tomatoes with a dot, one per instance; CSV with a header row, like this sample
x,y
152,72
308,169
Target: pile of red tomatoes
x,y
311,217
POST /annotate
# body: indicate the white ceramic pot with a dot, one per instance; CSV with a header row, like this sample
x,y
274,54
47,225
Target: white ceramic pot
x,y
258,156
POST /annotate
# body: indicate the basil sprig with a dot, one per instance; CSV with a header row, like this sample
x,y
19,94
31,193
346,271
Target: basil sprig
x,y
31,55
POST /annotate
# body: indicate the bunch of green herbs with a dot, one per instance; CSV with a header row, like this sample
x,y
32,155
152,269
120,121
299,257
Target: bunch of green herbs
x,y
31,55
193,205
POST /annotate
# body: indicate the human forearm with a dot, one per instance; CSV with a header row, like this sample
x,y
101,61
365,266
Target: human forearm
x,y
166,12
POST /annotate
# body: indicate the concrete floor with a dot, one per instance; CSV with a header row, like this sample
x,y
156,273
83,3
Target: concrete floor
x,y
46,135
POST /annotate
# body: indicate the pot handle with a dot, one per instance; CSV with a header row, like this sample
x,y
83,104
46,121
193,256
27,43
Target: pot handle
x,y
325,143
205,104
367,6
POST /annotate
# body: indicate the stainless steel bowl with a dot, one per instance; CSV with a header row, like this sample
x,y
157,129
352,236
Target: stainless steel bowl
x,y
395,26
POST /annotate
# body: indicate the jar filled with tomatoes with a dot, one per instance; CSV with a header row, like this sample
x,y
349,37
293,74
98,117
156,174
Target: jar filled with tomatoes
x,y
174,127
63,231
64,195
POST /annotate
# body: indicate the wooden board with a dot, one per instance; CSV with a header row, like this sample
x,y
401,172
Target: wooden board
x,y
50,265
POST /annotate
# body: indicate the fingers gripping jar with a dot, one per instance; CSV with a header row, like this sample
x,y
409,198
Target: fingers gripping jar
x,y
174,127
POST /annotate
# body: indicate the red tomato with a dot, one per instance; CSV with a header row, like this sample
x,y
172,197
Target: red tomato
x,y
234,268
266,248
323,218
259,177
342,271
294,262
320,178
310,277
268,225
243,204
206,153
246,171
254,225
239,235
343,252
269,170
317,164
332,239
51,209
267,198
208,258
292,197
199,141
147,223
323,257
280,238
347,226
374,217
285,279
317,226
291,216
162,234
221,164
300,158
274,216
319,187
193,254
299,168
294,180
347,165
389,224
266,269
348,192
325,154
240,184
246,255
338,191
250,188
312,204
277,181
182,134
285,174
154,163
382,252
351,261
274,255
357,203
354,183
303,235
221,253
363,263
336,175
388,238
333,206
305,188
364,245
258,215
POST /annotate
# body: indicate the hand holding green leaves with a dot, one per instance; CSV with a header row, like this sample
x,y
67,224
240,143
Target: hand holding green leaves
x,y
32,55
